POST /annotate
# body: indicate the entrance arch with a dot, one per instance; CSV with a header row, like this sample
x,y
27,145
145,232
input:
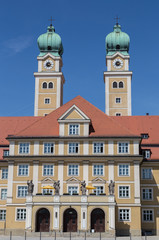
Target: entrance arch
x,y
98,220
43,220
70,220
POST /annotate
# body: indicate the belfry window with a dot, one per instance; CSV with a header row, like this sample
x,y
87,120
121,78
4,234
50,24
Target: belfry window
x,y
50,85
115,85
44,85
121,85
117,46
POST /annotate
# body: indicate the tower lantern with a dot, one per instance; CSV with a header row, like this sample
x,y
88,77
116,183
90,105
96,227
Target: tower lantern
x,y
49,79
117,78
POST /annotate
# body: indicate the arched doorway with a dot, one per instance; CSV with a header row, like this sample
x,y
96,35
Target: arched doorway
x,y
98,220
42,220
70,220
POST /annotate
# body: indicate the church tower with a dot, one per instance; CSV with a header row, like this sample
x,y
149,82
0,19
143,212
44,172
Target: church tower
x,y
117,78
49,79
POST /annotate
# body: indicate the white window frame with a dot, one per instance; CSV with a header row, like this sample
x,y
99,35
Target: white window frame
x,y
129,192
142,173
47,99
42,85
1,194
49,164
143,215
119,169
17,191
124,208
48,190
68,169
78,148
98,185
18,169
73,185
147,153
44,148
75,124
116,100
2,173
16,212
123,152
5,150
99,152
150,199
19,148
93,169
3,209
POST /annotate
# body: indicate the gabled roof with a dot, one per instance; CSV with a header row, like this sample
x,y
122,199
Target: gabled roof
x,y
142,124
102,125
12,125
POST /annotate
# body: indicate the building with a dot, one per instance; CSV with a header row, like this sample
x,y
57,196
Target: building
x,y
77,142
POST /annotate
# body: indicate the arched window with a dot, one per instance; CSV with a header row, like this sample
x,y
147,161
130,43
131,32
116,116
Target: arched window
x,y
44,85
121,85
50,85
118,47
114,84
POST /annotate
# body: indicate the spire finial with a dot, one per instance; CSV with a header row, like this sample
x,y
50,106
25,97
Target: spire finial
x,y
51,20
117,20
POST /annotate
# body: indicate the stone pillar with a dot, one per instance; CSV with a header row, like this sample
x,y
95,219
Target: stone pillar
x,y
111,200
35,176
10,181
111,170
85,171
137,181
28,221
56,213
60,175
84,213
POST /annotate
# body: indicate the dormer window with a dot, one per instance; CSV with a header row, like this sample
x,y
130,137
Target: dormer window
x,y
144,135
147,153
74,129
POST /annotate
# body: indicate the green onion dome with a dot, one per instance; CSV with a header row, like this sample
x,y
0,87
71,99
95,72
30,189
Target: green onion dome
x,y
117,41
50,42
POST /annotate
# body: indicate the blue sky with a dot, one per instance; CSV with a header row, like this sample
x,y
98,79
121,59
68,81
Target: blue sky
x,y
82,26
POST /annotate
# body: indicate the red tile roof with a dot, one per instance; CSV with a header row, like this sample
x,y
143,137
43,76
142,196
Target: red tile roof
x,y
103,125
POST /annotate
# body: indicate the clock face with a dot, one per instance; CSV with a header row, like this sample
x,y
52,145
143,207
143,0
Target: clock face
x,y
118,63
48,64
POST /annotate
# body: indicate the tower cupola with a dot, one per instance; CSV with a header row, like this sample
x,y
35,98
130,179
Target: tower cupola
x,y
117,41
50,42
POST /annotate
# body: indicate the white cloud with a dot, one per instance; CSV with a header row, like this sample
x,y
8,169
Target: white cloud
x,y
18,44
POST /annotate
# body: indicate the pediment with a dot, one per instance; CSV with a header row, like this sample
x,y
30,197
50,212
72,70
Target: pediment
x,y
75,114
98,180
47,180
118,54
49,55
72,180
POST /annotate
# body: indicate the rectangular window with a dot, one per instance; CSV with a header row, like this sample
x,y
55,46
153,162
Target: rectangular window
x,y
46,191
98,147
147,215
118,100
146,173
144,135
21,214
147,154
98,169
123,147
23,148
47,100
2,214
72,190
3,193
147,193
6,153
73,147
124,191
48,148
124,214
98,190
73,170
48,170
4,173
23,170
123,169
73,129
22,191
